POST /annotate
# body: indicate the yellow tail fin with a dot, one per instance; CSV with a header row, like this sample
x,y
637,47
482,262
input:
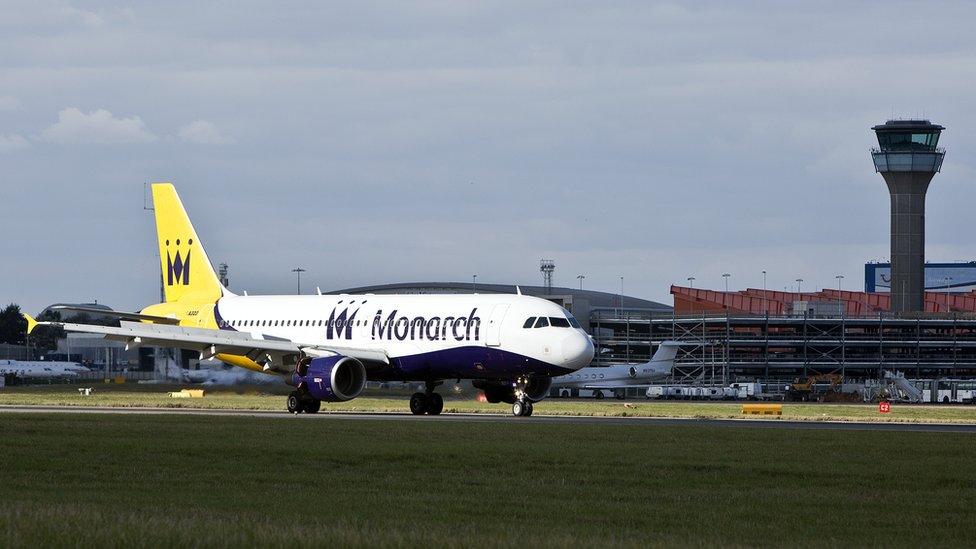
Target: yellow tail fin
x,y
31,323
186,269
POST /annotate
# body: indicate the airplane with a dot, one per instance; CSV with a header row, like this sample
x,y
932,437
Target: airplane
x,y
612,377
32,369
328,346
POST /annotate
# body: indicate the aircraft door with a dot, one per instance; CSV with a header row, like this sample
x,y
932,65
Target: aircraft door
x,y
493,333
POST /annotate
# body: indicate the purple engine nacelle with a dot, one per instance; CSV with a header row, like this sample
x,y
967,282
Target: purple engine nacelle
x,y
331,378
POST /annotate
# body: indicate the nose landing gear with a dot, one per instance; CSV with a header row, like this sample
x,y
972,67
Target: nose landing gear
x,y
522,407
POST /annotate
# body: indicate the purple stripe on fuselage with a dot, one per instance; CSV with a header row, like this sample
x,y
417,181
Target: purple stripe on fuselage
x,y
470,362
220,320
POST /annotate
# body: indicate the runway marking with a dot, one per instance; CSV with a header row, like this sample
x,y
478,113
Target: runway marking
x,y
605,420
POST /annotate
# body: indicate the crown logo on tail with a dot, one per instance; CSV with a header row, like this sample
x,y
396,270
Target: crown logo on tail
x,y
178,268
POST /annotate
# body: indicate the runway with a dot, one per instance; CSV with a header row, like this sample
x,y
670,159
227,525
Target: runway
x,y
505,418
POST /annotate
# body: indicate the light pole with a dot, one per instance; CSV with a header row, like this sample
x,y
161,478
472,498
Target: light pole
x,y
798,282
765,302
581,277
621,292
947,280
840,297
299,271
726,277
474,283
691,282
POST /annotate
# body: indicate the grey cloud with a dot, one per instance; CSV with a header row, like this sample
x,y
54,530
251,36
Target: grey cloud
x,y
10,142
204,133
97,126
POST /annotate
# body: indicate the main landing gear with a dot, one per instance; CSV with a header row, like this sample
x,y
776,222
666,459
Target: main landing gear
x,y
522,407
299,403
427,402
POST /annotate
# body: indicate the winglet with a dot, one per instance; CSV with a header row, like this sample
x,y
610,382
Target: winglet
x,y
518,290
31,323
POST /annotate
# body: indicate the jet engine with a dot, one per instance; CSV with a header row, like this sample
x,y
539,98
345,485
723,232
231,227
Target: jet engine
x,y
331,378
495,392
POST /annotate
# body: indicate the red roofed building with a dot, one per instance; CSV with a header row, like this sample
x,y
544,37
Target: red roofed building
x,y
822,303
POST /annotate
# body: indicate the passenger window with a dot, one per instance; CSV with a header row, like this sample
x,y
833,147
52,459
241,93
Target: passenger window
x,y
558,322
528,322
542,322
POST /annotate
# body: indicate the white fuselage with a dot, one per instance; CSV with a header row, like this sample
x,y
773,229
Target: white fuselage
x,y
30,369
656,369
480,336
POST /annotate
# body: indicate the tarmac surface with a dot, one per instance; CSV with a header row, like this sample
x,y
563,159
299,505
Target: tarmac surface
x,y
589,420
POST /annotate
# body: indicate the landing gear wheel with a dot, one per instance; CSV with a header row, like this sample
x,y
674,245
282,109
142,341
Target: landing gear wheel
x,y
435,404
311,406
294,403
519,408
528,409
418,404
598,395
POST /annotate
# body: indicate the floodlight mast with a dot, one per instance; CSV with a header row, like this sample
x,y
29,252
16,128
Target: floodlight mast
x,y
546,267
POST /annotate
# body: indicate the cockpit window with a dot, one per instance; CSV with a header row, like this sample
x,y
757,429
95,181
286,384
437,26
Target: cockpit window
x,y
529,322
542,322
573,322
558,322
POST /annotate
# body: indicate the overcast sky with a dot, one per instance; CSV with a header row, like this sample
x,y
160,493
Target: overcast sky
x,y
389,142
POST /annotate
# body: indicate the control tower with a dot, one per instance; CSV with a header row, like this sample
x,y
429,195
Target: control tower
x,y
908,157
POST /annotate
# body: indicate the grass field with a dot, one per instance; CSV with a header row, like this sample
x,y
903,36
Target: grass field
x,y
260,399
107,480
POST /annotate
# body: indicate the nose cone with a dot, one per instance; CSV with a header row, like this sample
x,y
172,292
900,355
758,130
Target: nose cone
x,y
577,350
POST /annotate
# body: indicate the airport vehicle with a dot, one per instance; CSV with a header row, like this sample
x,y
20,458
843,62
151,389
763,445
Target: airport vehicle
x,y
605,379
328,346
820,388
948,391
32,369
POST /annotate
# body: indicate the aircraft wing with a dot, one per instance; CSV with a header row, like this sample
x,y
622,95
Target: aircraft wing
x,y
210,343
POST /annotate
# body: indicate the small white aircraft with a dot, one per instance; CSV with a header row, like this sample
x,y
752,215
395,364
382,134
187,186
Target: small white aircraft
x,y
32,369
614,377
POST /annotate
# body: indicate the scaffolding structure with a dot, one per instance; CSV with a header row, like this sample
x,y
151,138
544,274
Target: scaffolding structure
x,y
734,347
